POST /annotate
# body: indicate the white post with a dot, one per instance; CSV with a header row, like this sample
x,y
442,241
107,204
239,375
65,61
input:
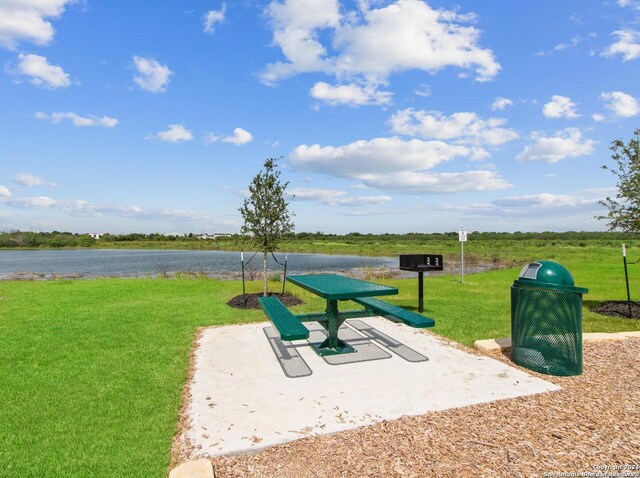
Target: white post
x,y
462,262
462,237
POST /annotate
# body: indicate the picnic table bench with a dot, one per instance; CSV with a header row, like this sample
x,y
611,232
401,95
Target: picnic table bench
x,y
288,325
334,288
406,316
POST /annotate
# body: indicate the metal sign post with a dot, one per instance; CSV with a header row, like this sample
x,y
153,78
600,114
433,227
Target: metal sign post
x,y
284,276
462,237
626,277
244,293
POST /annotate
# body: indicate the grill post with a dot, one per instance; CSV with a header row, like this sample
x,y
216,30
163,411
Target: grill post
x,y
420,291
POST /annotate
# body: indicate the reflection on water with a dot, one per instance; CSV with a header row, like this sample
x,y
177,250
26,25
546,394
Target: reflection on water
x,y
144,263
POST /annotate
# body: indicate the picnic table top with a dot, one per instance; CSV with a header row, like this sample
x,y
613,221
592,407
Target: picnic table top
x,y
337,287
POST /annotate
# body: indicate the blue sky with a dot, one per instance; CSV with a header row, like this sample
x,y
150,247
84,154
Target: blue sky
x,y
389,116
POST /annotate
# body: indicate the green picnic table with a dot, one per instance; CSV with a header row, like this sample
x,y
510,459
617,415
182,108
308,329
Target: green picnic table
x,y
334,288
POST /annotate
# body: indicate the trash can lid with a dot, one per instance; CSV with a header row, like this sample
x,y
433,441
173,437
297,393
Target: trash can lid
x,y
548,275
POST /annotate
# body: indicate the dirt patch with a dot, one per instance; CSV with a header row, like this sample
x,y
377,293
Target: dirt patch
x,y
594,421
182,446
250,301
618,308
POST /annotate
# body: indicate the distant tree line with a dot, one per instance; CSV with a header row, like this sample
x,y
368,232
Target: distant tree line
x,y
475,235
45,239
55,239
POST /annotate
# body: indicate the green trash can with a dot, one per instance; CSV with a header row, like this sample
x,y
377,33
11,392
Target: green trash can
x,y
546,320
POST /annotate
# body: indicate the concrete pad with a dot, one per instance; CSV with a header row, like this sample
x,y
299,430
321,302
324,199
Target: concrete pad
x,y
493,345
600,337
193,469
630,334
242,401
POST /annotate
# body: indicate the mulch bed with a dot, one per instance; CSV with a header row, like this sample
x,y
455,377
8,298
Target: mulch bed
x,y
618,308
593,421
250,301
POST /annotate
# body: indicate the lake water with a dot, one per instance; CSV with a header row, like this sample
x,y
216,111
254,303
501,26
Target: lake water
x,y
144,263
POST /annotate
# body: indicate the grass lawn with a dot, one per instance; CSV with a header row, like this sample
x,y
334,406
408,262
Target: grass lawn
x,y
92,370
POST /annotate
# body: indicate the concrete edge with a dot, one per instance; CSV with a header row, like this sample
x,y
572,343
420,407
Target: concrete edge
x,y
504,343
635,334
202,468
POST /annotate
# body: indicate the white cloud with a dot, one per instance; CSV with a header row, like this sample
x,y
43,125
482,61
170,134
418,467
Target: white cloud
x,y
575,41
211,138
332,197
41,73
27,20
27,179
629,3
380,155
4,192
541,205
151,76
560,107
462,127
621,104
27,202
240,137
77,120
501,103
543,200
295,30
628,45
597,117
397,165
174,134
415,37
412,182
373,43
212,17
423,91
567,143
351,94
80,207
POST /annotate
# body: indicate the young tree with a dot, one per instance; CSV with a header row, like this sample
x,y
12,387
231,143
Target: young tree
x,y
265,212
624,210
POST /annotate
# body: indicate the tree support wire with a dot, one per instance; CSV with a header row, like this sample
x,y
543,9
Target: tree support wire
x,y
626,278
243,265
284,276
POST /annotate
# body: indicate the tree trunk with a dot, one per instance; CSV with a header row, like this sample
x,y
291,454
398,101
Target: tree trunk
x,y
264,293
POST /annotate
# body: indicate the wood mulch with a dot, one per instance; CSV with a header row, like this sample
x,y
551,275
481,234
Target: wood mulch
x,y
618,308
593,421
250,301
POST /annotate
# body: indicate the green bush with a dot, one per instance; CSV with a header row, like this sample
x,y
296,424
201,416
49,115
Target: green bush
x,y
275,277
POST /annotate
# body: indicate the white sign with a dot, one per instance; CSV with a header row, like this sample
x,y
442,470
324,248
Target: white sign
x,y
462,235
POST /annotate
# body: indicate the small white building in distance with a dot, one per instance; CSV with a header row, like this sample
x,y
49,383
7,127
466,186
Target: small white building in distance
x,y
214,235
96,235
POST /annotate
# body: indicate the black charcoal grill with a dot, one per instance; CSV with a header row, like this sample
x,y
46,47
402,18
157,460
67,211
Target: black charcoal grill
x,y
421,263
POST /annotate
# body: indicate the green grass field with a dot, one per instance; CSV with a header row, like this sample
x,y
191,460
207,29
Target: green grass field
x,y
92,370
483,246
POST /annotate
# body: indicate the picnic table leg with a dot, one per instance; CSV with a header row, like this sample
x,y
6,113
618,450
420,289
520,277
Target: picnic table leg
x,y
333,345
